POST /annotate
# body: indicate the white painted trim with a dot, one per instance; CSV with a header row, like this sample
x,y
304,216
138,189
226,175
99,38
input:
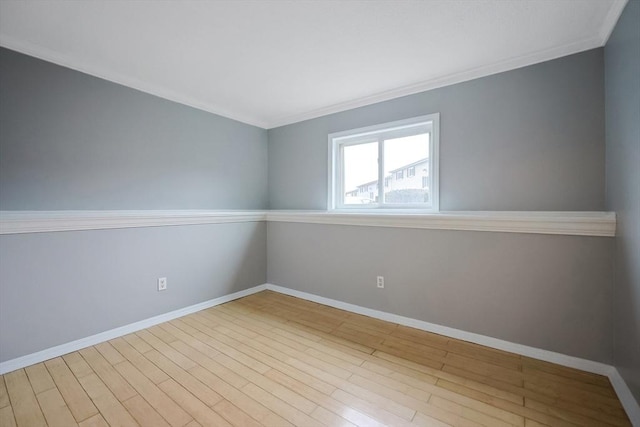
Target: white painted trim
x,y
624,394
369,134
631,406
77,64
447,80
601,224
621,388
546,355
15,222
610,21
59,350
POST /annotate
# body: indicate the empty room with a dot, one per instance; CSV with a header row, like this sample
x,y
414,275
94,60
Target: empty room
x,y
319,213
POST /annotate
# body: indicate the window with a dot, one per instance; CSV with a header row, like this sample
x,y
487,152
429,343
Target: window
x,y
381,157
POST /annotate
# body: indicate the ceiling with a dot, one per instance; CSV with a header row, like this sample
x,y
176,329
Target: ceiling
x,y
275,62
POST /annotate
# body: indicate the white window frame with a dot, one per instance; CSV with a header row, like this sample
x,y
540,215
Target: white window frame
x,y
337,142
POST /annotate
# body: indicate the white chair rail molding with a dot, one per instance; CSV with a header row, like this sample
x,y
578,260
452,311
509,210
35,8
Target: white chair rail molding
x,y
600,224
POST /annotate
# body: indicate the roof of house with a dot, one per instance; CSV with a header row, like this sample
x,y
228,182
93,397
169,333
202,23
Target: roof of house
x,y
425,160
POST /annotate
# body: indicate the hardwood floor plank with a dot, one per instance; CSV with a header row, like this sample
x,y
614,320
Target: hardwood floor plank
x,y
519,409
56,411
323,400
143,364
110,354
328,418
274,360
567,415
184,378
234,415
6,417
244,402
194,406
110,408
77,364
95,421
586,377
39,378
23,401
470,414
165,406
279,407
369,408
143,413
503,374
164,348
4,396
138,343
217,339
77,399
427,421
582,397
542,377
111,378
262,381
388,364
211,365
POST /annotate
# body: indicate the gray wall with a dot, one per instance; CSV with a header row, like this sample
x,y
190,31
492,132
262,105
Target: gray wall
x,y
550,292
528,139
59,287
622,76
72,141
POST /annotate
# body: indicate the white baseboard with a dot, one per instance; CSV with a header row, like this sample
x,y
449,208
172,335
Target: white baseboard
x,y
624,394
59,350
620,386
546,355
629,403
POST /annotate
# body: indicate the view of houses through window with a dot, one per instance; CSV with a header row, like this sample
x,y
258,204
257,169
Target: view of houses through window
x,y
406,171
407,184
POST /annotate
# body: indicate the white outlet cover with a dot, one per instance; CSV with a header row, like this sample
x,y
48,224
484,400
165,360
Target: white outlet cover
x,y
162,284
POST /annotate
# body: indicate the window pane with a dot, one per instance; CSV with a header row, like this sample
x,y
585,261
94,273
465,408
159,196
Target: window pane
x,y
360,173
406,168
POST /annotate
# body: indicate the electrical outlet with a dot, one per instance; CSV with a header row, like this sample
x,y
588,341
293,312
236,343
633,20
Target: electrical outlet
x,y
380,282
162,284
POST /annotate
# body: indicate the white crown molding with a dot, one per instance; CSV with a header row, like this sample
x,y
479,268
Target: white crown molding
x,y
18,222
59,350
448,80
131,82
602,224
610,21
620,386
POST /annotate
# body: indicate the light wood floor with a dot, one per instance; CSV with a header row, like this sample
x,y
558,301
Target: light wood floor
x,y
270,359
